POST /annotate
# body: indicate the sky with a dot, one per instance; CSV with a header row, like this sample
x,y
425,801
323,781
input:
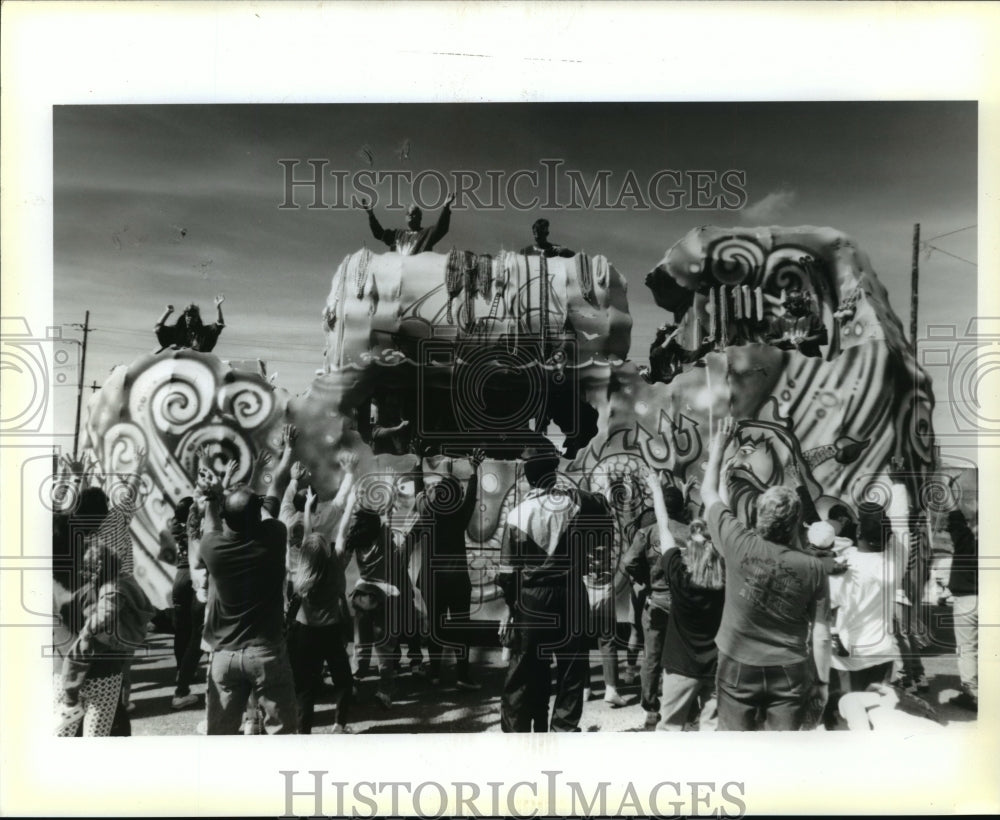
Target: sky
x,y
158,204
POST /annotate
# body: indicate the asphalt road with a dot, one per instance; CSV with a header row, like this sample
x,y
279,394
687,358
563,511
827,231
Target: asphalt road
x,y
420,708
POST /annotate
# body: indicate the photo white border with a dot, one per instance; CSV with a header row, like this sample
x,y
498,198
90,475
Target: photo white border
x,y
86,53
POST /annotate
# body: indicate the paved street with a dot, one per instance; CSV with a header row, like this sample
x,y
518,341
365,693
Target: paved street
x,y
446,708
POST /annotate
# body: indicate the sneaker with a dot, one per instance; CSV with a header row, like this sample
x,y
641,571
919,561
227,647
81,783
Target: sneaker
x,y
202,727
69,715
964,700
612,698
469,685
183,701
338,729
652,719
383,700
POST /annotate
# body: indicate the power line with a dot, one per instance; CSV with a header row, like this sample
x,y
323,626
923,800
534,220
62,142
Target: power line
x,y
949,253
957,230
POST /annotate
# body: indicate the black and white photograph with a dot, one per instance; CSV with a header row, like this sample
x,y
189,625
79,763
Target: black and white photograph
x,y
453,415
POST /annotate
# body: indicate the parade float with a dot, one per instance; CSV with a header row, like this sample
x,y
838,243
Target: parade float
x,y
787,329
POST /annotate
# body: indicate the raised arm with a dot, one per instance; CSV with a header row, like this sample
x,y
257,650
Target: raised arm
x,y
810,514
469,502
213,506
308,512
218,310
444,222
282,472
377,230
340,543
660,509
713,469
349,462
299,474
166,315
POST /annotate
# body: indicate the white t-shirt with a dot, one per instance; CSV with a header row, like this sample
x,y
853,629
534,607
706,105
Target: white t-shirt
x,y
864,596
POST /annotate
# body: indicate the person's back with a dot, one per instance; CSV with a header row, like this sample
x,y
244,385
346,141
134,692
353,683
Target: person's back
x,y
864,598
695,615
246,574
541,576
773,642
325,602
770,590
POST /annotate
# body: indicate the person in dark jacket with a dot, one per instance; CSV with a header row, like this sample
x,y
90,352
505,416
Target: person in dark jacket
x,y
189,330
443,516
412,239
541,576
642,563
541,245
189,612
697,580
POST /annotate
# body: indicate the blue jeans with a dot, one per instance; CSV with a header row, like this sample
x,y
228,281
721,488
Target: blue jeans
x,y
752,696
654,627
262,670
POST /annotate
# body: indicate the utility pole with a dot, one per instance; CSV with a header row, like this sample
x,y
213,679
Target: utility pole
x,y
914,286
79,392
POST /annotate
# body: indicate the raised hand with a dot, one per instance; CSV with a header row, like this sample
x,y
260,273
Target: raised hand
x,y
219,300
204,457
723,433
478,457
310,498
348,460
170,308
229,473
299,472
449,201
649,475
288,435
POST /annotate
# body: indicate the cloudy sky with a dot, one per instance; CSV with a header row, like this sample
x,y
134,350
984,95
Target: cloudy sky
x,y
175,203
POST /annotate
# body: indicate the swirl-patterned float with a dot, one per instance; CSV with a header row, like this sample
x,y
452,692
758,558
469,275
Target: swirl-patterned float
x,y
494,349
172,405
